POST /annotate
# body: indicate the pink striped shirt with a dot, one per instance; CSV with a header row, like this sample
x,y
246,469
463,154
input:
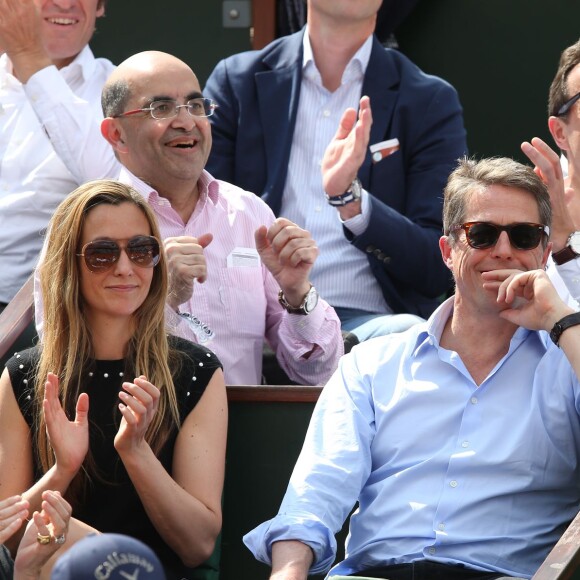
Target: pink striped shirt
x,y
240,303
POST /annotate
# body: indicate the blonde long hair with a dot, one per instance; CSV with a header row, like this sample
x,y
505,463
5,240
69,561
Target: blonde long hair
x,y
67,348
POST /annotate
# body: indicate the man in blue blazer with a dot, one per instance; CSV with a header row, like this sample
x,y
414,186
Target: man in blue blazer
x,y
379,262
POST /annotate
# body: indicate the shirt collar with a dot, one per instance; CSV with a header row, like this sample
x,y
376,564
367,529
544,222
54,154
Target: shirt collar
x,y
209,188
82,66
207,185
429,333
355,68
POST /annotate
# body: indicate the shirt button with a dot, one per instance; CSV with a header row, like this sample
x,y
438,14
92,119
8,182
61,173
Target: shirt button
x,y
318,208
453,483
326,113
465,444
431,550
474,400
441,526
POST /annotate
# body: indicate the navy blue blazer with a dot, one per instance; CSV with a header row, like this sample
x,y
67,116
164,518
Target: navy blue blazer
x,y
257,94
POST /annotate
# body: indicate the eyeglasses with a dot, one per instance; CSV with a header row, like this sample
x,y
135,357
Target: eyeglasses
x,y
522,236
167,109
100,255
567,105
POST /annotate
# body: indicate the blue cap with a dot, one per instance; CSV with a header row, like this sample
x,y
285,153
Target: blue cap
x,y
108,556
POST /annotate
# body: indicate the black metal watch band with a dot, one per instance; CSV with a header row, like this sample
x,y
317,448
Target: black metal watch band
x,y
562,324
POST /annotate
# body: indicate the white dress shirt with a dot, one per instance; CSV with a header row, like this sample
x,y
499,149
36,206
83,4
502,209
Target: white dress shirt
x,y
53,105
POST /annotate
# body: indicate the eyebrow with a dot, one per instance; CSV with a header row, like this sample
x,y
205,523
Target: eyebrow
x,y
192,95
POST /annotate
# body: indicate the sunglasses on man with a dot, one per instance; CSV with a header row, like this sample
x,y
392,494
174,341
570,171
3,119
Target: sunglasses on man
x,y
101,255
522,236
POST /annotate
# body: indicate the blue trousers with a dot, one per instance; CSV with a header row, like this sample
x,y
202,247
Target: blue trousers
x,y
367,325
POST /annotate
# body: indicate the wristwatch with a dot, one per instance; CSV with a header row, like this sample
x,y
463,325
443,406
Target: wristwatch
x,y
570,252
309,302
562,324
351,194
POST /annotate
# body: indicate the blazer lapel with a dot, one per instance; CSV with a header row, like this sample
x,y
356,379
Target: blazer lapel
x,y
278,91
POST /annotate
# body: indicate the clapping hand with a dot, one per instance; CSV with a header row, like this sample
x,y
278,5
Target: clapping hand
x,y
44,535
13,512
68,439
139,403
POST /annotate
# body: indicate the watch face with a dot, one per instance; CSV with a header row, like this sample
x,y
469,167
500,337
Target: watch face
x,y
356,189
311,300
574,242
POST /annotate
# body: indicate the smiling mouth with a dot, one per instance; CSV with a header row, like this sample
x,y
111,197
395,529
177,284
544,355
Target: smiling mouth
x,y
183,144
62,21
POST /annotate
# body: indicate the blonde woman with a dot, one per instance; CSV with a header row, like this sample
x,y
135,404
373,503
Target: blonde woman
x,y
128,424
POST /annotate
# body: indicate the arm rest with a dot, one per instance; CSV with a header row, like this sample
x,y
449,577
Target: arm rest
x,y
564,557
16,316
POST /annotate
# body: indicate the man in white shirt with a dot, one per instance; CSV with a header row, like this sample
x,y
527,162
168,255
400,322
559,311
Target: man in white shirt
x,y
50,87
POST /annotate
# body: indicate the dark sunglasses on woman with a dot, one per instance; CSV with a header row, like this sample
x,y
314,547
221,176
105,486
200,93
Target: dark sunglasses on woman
x,y
101,255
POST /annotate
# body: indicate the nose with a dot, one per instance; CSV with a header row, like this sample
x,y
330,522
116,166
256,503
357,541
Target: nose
x,y
503,247
184,119
123,266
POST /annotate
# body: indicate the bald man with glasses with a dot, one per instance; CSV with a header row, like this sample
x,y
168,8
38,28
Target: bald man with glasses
x,y
238,275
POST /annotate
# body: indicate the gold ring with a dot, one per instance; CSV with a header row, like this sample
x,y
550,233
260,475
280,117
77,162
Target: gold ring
x,y
41,539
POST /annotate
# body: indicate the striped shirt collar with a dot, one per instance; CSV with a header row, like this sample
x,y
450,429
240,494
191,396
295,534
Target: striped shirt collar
x,y
357,65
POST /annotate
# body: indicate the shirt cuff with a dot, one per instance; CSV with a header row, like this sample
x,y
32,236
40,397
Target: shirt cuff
x,y
308,327
570,274
44,89
359,223
310,532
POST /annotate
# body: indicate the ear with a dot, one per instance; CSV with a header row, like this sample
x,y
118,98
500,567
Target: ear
x,y
100,8
559,132
112,131
445,247
546,255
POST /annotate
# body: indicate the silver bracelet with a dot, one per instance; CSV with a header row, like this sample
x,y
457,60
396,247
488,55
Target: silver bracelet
x,y
201,330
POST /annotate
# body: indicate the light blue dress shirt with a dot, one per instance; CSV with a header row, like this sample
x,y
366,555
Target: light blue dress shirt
x,y
443,469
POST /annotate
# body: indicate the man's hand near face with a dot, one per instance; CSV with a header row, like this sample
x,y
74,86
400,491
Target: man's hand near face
x,y
20,37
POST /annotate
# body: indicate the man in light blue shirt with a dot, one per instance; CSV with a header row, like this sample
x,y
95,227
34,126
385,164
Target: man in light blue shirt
x,y
460,438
